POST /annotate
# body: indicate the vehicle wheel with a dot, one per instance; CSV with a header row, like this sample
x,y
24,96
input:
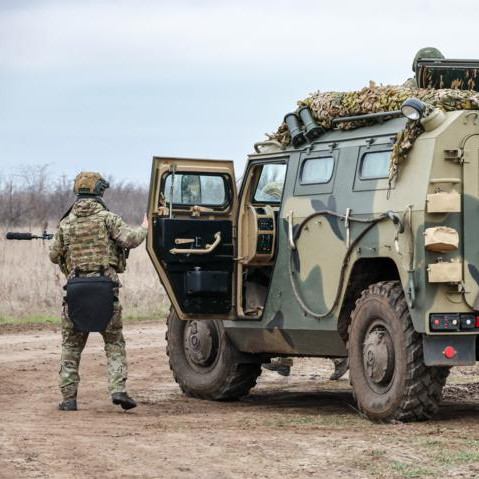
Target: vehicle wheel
x,y
205,363
389,378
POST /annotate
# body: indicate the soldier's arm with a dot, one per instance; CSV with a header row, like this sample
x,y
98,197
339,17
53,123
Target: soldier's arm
x,y
57,248
123,234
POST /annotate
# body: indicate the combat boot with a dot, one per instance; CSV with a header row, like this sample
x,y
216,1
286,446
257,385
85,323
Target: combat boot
x,y
68,405
340,368
125,401
279,365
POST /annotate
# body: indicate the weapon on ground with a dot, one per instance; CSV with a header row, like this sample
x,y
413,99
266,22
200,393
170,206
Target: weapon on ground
x,y
28,236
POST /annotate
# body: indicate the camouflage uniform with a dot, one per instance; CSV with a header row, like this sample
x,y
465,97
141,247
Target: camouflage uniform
x,y
410,83
428,52
90,238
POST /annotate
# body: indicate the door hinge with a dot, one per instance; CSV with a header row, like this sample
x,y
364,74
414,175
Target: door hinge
x,y
235,232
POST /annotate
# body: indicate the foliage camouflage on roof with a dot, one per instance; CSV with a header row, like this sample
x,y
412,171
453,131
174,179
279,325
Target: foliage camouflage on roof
x,y
327,106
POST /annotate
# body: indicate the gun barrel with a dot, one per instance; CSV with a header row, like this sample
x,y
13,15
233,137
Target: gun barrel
x,y
19,236
28,236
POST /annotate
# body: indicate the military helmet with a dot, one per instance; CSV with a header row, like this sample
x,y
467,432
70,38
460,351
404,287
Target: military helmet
x,y
428,52
90,183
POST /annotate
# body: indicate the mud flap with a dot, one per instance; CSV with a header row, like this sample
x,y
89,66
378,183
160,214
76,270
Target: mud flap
x,y
435,346
90,302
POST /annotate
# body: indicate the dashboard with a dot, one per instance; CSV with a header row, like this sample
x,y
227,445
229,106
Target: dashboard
x,y
260,222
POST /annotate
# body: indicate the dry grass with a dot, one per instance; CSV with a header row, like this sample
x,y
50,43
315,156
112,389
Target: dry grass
x,y
31,286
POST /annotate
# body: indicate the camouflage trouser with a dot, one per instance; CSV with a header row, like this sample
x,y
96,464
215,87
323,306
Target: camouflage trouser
x,y
338,362
72,346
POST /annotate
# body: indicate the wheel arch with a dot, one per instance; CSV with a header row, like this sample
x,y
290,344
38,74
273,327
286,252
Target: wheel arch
x,y
363,273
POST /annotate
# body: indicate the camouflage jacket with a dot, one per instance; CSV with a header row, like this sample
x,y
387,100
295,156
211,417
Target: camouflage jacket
x,y
90,238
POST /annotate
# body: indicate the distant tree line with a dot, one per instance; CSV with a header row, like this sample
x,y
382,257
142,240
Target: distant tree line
x,y
34,197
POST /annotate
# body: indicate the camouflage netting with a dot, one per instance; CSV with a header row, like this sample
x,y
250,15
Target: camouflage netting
x,y
330,105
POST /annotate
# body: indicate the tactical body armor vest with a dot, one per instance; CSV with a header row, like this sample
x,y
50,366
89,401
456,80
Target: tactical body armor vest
x,y
88,246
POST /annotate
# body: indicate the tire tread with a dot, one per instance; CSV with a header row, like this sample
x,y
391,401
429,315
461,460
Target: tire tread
x,y
424,384
241,376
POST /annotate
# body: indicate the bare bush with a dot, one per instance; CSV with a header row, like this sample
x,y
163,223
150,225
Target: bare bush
x,y
33,196
32,286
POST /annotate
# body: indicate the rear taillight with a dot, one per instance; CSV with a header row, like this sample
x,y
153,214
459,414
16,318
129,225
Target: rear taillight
x,y
453,322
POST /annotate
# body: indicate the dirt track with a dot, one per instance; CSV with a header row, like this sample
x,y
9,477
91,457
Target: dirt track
x,y
301,426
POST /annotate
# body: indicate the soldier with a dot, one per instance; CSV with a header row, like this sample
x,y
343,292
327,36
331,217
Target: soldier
x,y
92,242
428,52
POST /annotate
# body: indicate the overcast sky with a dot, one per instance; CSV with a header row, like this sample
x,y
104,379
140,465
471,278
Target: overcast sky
x,y
106,84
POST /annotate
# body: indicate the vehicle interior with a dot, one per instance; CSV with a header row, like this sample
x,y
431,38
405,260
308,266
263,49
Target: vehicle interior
x,y
258,214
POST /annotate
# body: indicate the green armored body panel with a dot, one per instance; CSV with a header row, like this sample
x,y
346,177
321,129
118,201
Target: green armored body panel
x,y
353,234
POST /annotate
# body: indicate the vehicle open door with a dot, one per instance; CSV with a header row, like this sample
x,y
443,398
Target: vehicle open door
x,y
192,213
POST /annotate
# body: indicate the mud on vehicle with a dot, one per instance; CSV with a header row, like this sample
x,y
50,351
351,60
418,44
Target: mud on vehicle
x,y
320,254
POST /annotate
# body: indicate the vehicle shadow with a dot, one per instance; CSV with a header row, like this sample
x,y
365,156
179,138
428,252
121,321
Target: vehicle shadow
x,y
330,403
341,401
323,401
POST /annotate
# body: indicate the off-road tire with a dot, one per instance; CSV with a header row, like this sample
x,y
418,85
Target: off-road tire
x,y
411,391
230,376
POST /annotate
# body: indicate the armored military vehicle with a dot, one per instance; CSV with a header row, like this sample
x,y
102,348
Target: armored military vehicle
x,y
324,252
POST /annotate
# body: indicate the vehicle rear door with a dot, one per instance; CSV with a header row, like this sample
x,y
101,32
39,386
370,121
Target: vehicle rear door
x,y
192,210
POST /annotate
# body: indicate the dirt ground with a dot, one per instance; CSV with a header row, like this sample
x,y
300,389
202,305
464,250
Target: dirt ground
x,y
301,426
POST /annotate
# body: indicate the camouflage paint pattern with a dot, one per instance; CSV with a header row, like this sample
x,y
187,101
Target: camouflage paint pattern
x,y
321,247
443,158
457,78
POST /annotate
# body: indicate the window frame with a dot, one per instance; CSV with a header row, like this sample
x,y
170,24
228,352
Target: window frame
x,y
303,164
361,163
376,183
308,189
253,200
223,207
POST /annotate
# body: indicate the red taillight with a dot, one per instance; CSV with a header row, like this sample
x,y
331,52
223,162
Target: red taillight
x,y
449,352
477,321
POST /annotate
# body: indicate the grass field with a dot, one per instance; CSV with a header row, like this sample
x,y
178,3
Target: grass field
x,y
31,286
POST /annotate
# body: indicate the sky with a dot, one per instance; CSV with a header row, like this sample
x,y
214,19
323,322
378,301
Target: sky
x,y
104,85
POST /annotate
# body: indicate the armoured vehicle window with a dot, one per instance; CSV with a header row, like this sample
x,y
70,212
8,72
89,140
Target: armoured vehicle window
x,y
193,189
317,170
270,184
375,164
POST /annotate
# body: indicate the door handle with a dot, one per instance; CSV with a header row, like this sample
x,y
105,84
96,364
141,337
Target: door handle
x,y
290,230
209,247
184,240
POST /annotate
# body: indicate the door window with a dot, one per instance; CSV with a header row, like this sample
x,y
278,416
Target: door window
x,y
193,189
270,184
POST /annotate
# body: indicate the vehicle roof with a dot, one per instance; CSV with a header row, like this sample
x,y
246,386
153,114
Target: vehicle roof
x,y
386,128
